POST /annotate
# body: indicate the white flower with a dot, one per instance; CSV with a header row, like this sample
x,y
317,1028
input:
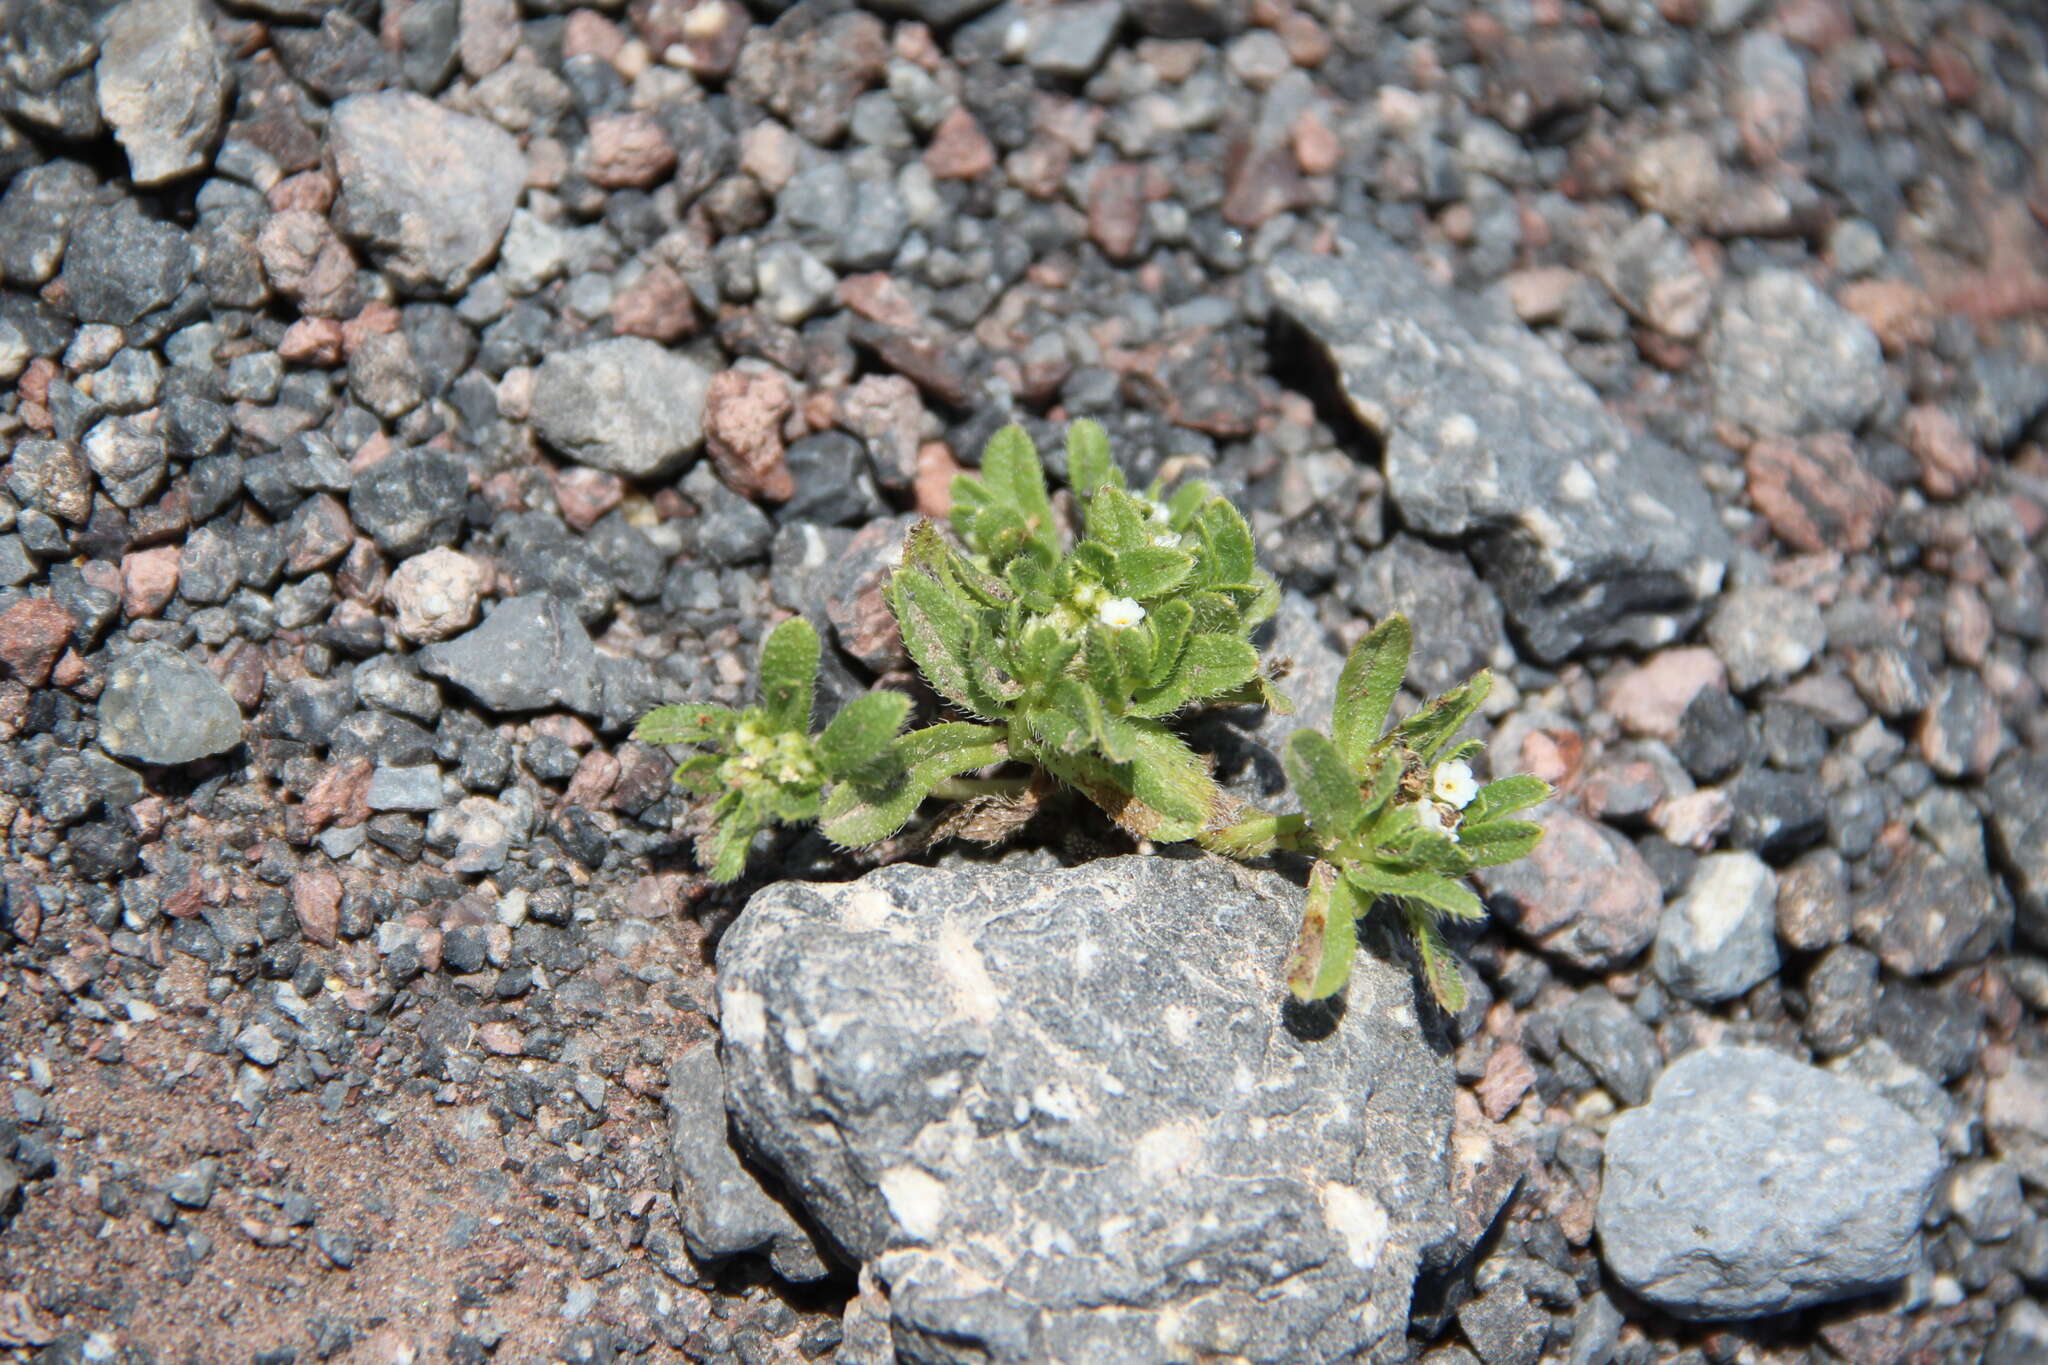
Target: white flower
x,y
1453,783
1119,612
1167,541
1431,817
1159,512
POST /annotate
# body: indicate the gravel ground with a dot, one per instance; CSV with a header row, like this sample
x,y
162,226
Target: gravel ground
x,y
399,399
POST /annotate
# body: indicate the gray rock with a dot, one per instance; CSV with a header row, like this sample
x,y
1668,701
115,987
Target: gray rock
x,y
411,501
723,1209
793,284
1720,937
1060,1113
1985,1198
1765,635
1877,1067
193,1187
1070,41
120,265
1752,1184
2018,789
128,458
161,707
1411,576
1591,535
625,405
162,85
1615,1045
1651,272
426,191
16,565
36,215
46,66
854,224
1785,359
2022,1335
1841,1000
534,252
1504,1327
416,787
529,654
1930,913
2016,1117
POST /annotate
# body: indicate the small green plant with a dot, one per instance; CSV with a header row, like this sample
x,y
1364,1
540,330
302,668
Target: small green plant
x,y
1389,814
1070,653
763,766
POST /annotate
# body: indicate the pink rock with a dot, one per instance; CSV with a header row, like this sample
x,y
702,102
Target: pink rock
x,y
312,341
32,634
149,579
316,900
1508,1077
436,594
1585,895
501,1040
743,416
1649,699
626,150
306,261
586,495
959,150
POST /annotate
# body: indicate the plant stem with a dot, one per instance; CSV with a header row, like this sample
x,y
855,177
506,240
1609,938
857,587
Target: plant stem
x,y
968,788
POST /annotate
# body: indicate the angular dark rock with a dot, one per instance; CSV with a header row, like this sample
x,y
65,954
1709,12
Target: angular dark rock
x,y
1591,535
530,653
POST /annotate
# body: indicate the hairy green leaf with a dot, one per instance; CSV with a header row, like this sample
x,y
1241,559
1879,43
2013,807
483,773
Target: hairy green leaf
x,y
1499,841
722,848
691,723
1439,968
1011,468
1366,689
856,815
1164,793
1505,796
789,674
1327,788
1434,726
1229,560
862,732
1214,664
1089,465
1321,961
1117,521
1432,889
934,616
1152,571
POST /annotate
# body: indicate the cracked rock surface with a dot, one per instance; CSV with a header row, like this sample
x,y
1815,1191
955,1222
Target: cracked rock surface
x,y
1062,1116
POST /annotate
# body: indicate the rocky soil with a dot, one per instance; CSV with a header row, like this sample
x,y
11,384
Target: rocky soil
x,y
400,398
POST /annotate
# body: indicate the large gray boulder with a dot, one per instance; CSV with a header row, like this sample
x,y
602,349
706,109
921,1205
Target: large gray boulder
x,y
427,191
1061,1115
1753,1184
1592,535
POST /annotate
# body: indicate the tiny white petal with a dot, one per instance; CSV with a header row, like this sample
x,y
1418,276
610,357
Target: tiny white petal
x,y
1119,612
1431,817
1453,783
1167,541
